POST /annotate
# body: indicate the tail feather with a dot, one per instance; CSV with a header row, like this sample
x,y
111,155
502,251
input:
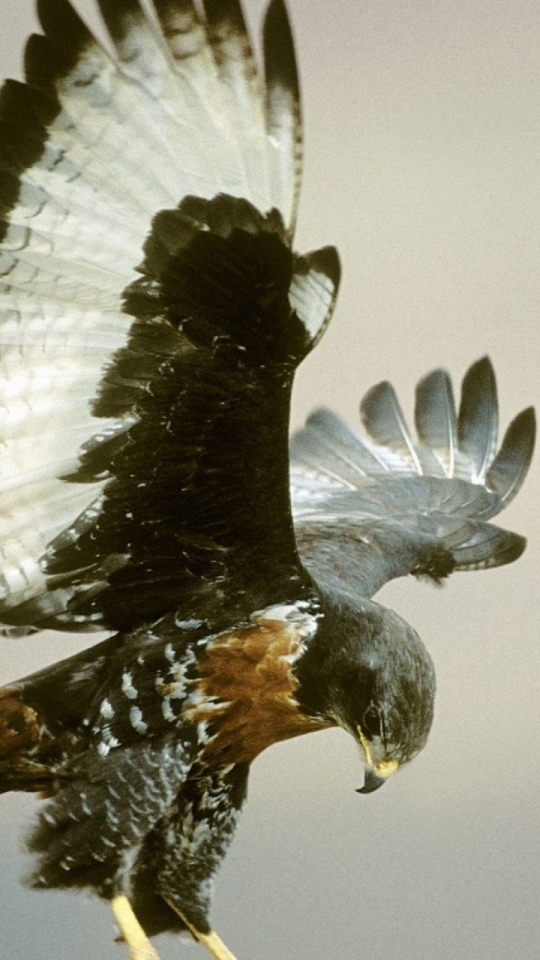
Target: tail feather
x,y
435,418
383,419
441,490
478,417
509,468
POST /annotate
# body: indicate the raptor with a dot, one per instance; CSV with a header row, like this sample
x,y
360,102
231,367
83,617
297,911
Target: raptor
x,y
152,315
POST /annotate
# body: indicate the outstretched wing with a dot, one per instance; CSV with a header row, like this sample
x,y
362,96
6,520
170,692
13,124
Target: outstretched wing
x,y
152,314
367,510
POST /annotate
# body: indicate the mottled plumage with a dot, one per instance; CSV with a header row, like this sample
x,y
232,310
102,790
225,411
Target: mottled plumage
x,y
153,314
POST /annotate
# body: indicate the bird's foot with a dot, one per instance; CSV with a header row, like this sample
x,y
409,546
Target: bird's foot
x,y
138,943
213,943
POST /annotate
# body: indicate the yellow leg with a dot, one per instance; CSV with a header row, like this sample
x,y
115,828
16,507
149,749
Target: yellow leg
x,y
139,945
211,941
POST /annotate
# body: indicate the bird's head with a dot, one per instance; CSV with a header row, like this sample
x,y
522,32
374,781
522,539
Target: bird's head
x,y
368,671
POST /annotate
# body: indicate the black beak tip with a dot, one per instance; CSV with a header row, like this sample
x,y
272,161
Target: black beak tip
x,y
372,782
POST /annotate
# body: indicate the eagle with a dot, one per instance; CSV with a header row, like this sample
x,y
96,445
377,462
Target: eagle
x,y
152,315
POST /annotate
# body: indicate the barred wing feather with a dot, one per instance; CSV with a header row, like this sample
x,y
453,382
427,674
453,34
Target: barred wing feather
x,y
92,147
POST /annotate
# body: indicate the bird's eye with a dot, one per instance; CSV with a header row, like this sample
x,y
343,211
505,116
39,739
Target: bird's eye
x,y
371,723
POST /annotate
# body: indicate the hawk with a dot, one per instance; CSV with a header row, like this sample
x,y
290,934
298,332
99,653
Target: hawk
x,y
153,313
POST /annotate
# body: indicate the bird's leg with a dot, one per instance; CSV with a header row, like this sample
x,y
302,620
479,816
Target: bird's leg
x,y
139,945
211,941
213,944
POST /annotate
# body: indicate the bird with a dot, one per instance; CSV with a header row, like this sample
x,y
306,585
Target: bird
x,y
153,313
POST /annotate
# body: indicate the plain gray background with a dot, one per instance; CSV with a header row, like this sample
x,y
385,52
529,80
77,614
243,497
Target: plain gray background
x,y
423,164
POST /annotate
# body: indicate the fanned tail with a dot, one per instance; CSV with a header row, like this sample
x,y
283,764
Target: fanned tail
x,y
426,503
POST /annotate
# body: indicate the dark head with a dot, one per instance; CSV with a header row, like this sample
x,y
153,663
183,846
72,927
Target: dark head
x,y
368,671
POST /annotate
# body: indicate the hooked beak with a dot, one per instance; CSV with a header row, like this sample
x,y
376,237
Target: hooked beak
x,y
372,782
375,773
375,776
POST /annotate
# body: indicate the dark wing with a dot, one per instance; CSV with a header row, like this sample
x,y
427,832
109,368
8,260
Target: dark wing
x,y
367,510
152,313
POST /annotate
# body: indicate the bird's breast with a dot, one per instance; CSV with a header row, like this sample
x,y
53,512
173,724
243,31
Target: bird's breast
x,y
245,694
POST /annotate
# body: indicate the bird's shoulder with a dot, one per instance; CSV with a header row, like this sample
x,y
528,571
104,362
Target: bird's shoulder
x,y
233,687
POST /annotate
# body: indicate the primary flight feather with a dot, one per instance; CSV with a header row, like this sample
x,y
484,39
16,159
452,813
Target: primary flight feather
x,y
153,314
